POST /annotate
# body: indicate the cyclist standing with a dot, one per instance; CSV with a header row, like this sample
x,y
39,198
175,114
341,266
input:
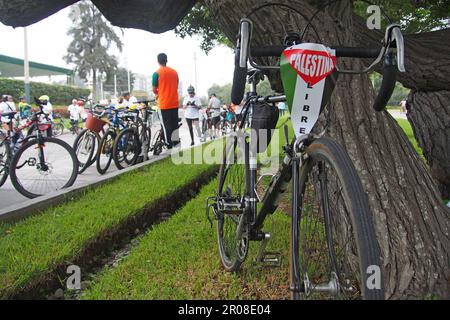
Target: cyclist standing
x,y
192,105
6,106
24,108
165,87
214,106
74,114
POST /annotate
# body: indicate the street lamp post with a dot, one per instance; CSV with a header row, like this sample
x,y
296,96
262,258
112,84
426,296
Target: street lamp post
x,y
26,66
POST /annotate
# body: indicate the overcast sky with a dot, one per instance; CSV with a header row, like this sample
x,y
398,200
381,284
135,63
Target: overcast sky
x,y
48,43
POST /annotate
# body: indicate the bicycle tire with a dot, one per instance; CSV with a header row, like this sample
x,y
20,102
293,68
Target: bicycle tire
x,y
129,145
5,158
31,144
57,129
104,149
352,219
91,159
232,177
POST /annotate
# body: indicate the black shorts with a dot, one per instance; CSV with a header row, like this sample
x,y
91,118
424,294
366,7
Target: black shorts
x,y
215,121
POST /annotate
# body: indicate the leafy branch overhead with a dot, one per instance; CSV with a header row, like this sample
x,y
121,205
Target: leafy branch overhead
x,y
200,22
414,16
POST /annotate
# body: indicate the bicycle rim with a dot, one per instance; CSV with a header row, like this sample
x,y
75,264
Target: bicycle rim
x,y
84,147
4,159
105,152
233,248
39,170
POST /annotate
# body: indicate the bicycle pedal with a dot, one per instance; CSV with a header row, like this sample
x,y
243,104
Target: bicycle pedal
x,y
270,260
267,258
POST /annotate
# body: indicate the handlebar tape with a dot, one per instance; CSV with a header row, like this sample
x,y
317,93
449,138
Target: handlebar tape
x,y
387,84
239,80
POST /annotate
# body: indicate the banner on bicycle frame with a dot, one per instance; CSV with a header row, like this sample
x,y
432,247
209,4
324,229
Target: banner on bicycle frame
x,y
308,72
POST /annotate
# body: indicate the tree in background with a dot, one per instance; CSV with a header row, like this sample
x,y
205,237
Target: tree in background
x,y
121,80
93,38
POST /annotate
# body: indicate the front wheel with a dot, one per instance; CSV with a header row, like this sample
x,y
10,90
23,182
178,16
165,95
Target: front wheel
x,y
40,168
85,148
334,251
105,152
4,158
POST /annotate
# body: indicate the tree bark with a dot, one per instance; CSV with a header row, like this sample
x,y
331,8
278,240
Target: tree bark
x,y
412,224
429,115
427,58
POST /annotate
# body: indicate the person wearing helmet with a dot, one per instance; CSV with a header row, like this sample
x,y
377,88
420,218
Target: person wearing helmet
x,y
192,105
47,106
165,87
214,107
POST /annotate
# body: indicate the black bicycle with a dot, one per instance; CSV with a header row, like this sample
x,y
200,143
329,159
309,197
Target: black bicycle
x,y
334,250
132,145
36,164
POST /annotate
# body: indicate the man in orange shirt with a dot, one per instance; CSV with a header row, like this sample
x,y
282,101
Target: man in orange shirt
x,y
165,87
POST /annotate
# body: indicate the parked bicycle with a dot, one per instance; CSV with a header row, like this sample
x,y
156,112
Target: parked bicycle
x,y
36,164
132,145
57,125
87,142
333,243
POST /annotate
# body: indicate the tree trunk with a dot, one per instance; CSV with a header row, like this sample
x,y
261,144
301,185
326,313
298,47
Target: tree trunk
x,y
429,114
428,66
411,222
94,85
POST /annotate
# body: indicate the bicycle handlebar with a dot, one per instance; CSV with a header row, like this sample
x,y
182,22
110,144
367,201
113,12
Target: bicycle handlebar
x,y
393,39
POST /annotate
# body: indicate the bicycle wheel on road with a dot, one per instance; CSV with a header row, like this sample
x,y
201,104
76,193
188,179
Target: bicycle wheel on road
x,y
233,248
126,148
334,250
4,158
40,169
105,152
85,146
57,129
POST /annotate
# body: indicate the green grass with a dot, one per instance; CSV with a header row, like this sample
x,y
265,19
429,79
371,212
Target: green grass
x,y
406,127
179,259
34,247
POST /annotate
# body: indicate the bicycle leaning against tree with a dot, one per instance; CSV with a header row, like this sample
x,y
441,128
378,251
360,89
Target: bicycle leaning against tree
x,y
333,248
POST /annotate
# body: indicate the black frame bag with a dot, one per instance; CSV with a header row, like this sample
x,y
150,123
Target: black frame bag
x,y
264,121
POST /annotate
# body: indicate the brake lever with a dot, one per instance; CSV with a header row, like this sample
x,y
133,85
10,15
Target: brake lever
x,y
400,49
394,34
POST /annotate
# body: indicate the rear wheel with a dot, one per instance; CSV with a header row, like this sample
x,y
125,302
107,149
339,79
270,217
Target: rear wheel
x,y
126,148
105,152
334,250
38,169
232,233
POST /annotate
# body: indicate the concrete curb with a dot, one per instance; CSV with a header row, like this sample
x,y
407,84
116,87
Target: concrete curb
x,y
34,206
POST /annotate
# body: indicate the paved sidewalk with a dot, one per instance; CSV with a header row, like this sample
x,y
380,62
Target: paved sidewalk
x,y
9,196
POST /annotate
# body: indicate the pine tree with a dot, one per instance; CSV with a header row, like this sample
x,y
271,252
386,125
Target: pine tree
x,y
93,40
